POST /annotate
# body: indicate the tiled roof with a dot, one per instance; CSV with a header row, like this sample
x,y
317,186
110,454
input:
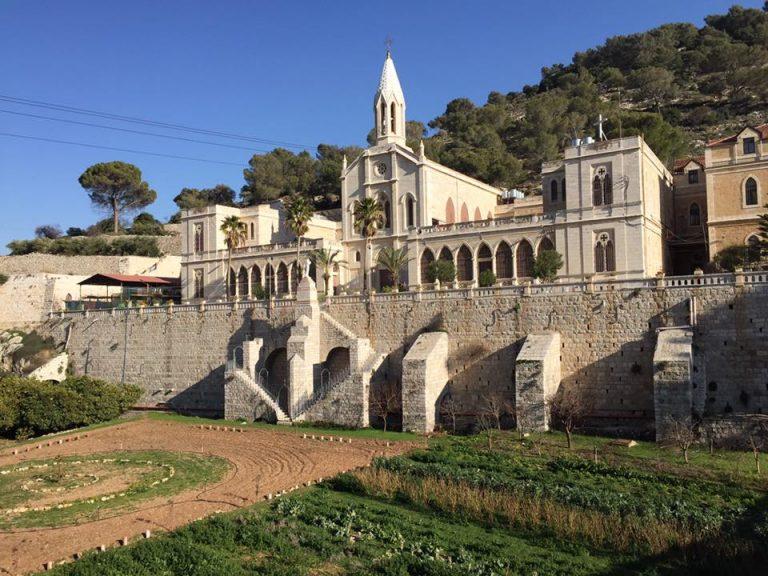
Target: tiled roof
x,y
762,130
681,163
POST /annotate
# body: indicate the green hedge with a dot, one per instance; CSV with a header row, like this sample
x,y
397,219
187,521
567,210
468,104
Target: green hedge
x,y
30,407
87,246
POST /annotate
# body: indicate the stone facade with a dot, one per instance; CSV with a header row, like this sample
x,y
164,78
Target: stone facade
x,y
537,378
425,376
166,266
607,344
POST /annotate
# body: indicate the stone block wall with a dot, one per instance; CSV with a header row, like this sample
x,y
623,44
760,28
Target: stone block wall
x,y
673,381
242,401
425,375
607,345
537,377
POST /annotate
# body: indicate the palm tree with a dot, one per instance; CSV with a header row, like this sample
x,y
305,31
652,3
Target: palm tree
x,y
393,260
299,212
369,217
235,233
325,259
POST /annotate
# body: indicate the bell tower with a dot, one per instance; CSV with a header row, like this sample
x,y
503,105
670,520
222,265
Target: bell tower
x,y
389,106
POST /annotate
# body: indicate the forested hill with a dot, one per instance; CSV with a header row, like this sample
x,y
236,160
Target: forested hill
x,y
677,84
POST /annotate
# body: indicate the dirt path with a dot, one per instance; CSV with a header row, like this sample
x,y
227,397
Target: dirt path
x,y
263,461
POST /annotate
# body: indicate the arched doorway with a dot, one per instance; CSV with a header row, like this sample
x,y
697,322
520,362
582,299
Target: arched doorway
x,y
335,368
256,285
242,282
232,283
277,376
464,266
484,259
427,257
524,257
544,245
282,279
504,261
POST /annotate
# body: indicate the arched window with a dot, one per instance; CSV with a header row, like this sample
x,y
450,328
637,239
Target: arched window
x,y
524,257
198,238
562,188
242,282
750,192
450,212
484,259
282,278
478,214
392,118
357,256
255,280
605,254
383,122
445,254
410,211
464,268
384,201
597,191
553,191
607,190
694,215
427,257
464,213
545,244
295,277
252,228
504,261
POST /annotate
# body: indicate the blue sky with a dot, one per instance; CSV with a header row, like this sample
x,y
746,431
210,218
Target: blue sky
x,y
297,72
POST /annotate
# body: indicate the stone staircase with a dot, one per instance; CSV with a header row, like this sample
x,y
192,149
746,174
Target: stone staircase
x,y
242,394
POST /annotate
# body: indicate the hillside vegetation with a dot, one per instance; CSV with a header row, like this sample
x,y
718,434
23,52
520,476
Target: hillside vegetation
x,y
677,84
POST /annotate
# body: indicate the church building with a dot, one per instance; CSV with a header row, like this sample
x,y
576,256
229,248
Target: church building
x,y
602,208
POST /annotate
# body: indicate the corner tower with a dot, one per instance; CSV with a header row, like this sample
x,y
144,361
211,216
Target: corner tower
x,y
389,106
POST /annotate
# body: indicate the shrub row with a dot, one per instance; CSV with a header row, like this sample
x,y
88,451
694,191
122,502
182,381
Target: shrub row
x,y
87,246
30,407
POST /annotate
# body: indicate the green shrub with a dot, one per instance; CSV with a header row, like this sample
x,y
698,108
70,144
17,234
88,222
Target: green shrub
x,y
3,279
443,270
30,407
547,264
735,256
87,246
487,278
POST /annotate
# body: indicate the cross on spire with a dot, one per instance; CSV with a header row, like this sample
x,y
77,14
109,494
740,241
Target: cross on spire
x,y
388,43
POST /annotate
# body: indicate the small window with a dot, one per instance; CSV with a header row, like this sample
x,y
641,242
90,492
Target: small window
x,y
392,118
693,176
199,287
562,188
750,192
694,215
748,145
357,256
553,191
410,209
383,121
198,239
252,235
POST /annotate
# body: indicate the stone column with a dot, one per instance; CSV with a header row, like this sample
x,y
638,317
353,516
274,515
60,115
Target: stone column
x,y
537,378
425,374
672,380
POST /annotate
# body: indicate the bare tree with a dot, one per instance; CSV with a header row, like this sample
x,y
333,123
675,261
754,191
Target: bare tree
x,y
449,409
568,408
683,432
386,400
489,415
756,432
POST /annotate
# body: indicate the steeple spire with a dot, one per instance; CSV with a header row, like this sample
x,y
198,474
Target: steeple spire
x,y
389,105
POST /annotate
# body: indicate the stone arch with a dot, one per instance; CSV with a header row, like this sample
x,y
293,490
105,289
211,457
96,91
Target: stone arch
x,y
544,244
242,282
277,376
751,190
282,278
255,280
504,261
464,264
478,215
450,212
484,258
337,365
524,259
295,276
269,279
410,211
386,208
464,213
427,257
446,254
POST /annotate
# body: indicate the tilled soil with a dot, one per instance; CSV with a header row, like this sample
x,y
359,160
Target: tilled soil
x,y
262,462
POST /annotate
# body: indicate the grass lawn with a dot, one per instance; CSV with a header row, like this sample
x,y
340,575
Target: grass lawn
x,y
458,508
82,488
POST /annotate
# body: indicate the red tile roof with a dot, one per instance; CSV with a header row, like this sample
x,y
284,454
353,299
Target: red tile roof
x,y
128,279
762,130
681,163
